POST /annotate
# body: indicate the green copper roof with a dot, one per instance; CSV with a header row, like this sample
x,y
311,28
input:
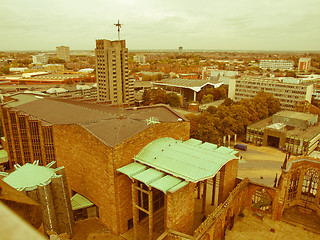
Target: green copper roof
x,y
168,164
3,156
79,202
29,176
132,169
148,176
166,183
188,160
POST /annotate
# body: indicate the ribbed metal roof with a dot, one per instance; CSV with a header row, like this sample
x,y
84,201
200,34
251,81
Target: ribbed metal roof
x,y
168,164
79,202
152,177
188,160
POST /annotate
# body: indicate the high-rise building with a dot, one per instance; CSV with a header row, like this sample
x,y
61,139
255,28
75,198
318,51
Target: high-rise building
x,y
63,52
304,64
40,59
113,80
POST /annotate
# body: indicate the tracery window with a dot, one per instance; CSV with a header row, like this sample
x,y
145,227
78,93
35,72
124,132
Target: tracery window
x,y
293,185
262,200
310,185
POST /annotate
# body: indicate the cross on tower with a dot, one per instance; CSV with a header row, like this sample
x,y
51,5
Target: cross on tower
x,y
119,26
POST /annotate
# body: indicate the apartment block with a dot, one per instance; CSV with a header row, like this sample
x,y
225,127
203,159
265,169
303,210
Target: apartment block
x,y
304,64
63,52
288,91
114,84
40,59
277,64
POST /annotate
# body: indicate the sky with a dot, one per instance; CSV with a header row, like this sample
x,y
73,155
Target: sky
x,y
161,24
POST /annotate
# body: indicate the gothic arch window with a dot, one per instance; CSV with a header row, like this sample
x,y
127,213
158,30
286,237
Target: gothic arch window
x,y
262,200
293,185
310,185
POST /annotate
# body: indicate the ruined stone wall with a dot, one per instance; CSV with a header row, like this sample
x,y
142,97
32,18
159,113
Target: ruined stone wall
x,y
228,175
297,167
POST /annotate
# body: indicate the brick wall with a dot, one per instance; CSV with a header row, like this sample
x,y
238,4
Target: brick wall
x,y
180,210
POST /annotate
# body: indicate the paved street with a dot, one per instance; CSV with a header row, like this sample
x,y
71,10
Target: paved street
x,y
260,164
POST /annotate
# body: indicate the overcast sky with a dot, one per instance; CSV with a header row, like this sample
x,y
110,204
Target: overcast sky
x,y
161,24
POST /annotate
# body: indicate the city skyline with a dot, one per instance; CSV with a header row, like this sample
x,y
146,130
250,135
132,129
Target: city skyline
x,y
228,25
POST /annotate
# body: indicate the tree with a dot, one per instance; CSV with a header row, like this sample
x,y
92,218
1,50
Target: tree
x,y
173,100
5,70
154,96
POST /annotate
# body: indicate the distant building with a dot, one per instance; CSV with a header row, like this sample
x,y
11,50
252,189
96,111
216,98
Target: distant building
x,y
289,91
304,64
294,132
53,68
40,59
277,64
139,58
48,187
114,84
21,69
63,53
188,88
180,49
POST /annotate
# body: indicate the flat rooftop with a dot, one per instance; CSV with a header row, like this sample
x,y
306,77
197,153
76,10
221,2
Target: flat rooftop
x,y
307,134
296,115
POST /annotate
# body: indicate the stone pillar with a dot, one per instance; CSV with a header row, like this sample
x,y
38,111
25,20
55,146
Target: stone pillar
x,y
204,197
47,208
64,214
150,198
135,212
199,188
213,189
180,210
300,184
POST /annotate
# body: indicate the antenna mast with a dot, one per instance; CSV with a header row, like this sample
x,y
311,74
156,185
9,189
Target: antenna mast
x,y
119,26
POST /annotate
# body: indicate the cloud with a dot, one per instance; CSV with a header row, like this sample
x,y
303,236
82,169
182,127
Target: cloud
x,y
228,24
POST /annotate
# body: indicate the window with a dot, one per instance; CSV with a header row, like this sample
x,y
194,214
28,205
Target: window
x,y
293,185
310,185
262,200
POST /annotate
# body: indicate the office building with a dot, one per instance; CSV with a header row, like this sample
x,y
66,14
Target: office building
x,y
112,73
277,64
63,53
289,91
304,64
40,59
290,131
139,58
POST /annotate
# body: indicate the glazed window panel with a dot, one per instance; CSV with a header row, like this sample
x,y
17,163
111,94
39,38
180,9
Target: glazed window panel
x,y
261,200
293,185
310,185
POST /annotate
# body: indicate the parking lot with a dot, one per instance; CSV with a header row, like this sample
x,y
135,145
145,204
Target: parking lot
x,y
260,164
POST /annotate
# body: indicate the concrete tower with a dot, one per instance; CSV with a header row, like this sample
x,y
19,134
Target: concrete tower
x,y
114,85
